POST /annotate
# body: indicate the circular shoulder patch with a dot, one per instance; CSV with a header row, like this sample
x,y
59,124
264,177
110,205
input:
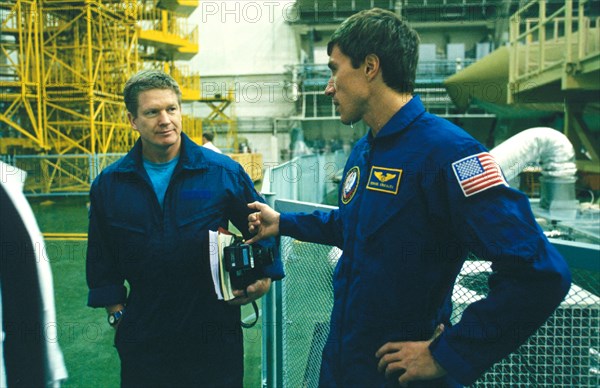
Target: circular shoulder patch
x,y
350,184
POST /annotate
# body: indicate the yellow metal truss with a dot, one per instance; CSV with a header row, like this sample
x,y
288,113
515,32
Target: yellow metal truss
x,y
63,74
222,118
63,65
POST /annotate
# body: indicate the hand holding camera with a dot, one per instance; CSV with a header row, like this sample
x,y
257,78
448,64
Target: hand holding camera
x,y
238,269
245,262
251,293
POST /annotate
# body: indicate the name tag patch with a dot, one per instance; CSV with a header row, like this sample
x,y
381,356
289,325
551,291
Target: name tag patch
x,y
384,179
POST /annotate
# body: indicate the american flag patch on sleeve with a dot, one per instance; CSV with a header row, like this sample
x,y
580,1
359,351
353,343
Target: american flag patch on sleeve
x,y
477,173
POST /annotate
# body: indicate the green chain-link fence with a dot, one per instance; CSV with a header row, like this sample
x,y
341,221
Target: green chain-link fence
x,y
564,352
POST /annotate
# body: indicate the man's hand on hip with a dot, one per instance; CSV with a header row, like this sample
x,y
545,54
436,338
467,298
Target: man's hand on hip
x,y
411,360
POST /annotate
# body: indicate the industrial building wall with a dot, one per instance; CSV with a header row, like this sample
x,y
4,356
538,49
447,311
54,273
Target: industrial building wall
x,y
246,45
251,46
244,37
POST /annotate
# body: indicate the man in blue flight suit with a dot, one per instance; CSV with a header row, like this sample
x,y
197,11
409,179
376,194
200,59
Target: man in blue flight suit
x,y
150,215
418,194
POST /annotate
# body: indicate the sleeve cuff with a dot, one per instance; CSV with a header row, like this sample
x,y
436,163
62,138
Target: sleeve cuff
x,y
274,271
452,362
285,224
107,296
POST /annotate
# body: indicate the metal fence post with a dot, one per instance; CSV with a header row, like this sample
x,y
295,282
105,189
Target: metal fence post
x,y
271,328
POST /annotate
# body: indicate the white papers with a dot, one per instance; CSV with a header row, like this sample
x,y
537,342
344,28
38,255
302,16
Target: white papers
x,y
213,252
216,242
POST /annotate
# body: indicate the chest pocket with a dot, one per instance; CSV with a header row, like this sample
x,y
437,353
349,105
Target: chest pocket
x,y
379,207
199,203
129,215
200,217
199,207
127,236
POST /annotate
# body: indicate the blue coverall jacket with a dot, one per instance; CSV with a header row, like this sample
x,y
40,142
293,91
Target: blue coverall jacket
x,y
163,255
406,221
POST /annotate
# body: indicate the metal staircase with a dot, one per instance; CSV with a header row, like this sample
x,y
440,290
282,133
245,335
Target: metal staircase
x,y
555,57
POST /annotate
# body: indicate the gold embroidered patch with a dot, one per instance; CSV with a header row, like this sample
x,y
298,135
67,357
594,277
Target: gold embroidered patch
x,y
384,179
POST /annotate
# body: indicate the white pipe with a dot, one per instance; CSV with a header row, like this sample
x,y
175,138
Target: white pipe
x,y
541,146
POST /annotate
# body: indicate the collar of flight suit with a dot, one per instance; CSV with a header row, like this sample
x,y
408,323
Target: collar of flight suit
x,y
191,157
401,120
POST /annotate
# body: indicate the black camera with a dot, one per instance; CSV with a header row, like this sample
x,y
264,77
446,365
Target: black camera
x,y
245,262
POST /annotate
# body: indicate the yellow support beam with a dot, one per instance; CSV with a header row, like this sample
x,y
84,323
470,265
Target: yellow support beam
x,y
64,65
65,236
180,7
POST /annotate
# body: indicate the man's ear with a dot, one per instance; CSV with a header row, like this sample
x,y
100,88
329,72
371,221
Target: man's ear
x,y
131,120
372,66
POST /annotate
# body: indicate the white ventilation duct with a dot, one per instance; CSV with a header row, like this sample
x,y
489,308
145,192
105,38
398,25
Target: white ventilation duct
x,y
554,153
540,146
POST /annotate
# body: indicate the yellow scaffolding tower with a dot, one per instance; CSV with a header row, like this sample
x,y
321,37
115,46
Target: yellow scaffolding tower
x,y
63,65
222,117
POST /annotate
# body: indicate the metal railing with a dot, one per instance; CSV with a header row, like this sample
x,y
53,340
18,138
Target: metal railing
x,y
542,42
167,22
305,178
312,79
70,174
